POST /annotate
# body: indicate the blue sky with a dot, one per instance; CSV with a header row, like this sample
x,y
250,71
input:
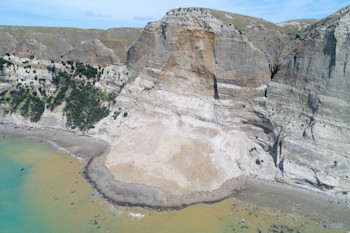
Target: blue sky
x,y
136,13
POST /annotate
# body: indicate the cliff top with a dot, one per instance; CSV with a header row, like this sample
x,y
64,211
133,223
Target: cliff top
x,y
54,42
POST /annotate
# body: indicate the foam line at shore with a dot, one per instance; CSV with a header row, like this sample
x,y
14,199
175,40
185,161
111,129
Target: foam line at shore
x,y
55,146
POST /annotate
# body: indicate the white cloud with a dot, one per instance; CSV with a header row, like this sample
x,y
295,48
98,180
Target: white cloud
x,y
92,14
143,18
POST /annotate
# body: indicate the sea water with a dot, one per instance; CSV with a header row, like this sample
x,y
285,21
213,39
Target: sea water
x,y
42,190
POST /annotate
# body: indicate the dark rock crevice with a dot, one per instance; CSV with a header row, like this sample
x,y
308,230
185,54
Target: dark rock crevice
x,y
216,93
274,70
330,50
313,102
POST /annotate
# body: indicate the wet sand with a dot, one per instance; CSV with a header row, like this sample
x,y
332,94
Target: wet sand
x,y
60,200
82,146
284,197
319,207
93,152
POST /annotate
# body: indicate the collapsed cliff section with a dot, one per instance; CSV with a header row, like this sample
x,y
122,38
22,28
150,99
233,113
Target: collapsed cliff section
x,y
206,98
308,101
208,103
194,122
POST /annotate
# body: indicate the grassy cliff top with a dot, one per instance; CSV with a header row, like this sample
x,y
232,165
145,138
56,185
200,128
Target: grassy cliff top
x,y
54,42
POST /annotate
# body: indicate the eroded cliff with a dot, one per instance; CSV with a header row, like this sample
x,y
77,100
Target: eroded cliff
x,y
309,100
220,95
212,97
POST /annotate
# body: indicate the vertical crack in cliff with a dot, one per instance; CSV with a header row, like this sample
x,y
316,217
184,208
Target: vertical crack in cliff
x,y
164,25
330,50
274,70
276,151
345,63
281,156
216,93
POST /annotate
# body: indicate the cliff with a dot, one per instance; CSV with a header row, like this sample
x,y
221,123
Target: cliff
x,y
309,99
207,97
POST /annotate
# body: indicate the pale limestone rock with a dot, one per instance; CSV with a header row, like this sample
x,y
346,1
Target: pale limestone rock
x,y
310,95
206,72
210,95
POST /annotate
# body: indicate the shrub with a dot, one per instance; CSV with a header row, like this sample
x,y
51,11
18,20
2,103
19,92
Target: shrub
x,y
52,69
335,164
257,161
84,108
87,70
85,104
115,115
252,149
3,62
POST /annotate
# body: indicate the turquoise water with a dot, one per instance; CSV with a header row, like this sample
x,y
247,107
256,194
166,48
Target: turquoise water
x,y
42,191
15,213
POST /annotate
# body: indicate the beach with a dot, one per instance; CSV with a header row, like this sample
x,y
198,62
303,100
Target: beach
x,y
82,146
321,208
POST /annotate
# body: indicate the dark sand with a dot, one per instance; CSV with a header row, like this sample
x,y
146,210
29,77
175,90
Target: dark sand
x,y
317,206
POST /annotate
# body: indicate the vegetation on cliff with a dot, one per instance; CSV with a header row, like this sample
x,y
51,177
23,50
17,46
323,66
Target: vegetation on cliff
x,y
3,62
85,104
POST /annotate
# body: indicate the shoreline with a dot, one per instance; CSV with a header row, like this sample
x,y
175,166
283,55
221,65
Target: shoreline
x,y
319,207
93,152
130,194
79,146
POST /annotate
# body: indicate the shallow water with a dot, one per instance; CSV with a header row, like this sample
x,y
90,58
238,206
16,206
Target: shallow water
x,y
42,190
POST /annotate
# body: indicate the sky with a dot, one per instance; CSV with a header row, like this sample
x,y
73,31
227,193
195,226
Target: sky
x,y
105,14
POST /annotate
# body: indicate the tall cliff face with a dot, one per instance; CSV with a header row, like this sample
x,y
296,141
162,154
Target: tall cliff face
x,y
217,93
197,83
212,96
309,100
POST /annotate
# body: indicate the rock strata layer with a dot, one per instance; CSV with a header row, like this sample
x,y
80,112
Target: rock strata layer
x,y
215,100
212,97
